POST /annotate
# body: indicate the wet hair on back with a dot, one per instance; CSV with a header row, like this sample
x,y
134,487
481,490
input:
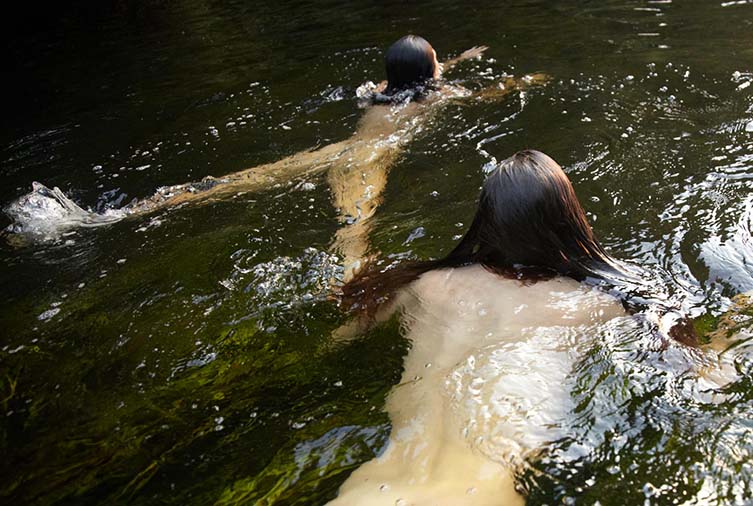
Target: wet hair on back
x,y
530,220
529,225
409,62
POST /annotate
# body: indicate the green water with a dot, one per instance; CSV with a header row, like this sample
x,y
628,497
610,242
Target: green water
x,y
188,357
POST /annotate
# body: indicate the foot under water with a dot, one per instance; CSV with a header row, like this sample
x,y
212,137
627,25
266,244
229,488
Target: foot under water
x,y
45,214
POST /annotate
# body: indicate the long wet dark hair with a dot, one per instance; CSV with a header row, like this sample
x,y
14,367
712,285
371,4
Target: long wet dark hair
x,y
409,62
529,226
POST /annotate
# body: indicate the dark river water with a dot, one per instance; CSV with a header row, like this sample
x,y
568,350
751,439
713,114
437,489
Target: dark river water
x,y
184,357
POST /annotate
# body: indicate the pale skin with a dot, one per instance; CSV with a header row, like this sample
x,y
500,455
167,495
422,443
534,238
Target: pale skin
x,y
440,451
357,185
377,124
452,315
356,168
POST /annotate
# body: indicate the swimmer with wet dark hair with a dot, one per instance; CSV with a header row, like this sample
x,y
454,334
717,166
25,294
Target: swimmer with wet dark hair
x,y
529,226
496,328
413,70
409,62
356,168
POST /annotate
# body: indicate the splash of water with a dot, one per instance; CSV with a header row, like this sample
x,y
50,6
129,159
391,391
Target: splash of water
x,y
284,282
45,214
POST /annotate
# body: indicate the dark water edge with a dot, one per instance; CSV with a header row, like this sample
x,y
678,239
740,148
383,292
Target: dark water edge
x,y
186,357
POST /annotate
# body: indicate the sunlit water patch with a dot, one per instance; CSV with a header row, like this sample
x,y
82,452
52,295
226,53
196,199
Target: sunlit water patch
x,y
656,422
200,370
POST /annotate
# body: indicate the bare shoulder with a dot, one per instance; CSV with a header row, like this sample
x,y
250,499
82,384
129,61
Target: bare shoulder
x,y
556,301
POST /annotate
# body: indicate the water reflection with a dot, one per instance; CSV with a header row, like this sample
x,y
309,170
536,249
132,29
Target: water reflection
x,y
635,403
155,383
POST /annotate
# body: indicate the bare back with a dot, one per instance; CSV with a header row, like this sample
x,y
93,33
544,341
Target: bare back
x,y
482,386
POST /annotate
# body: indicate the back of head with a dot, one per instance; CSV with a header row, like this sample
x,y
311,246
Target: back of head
x,y
530,225
409,62
529,216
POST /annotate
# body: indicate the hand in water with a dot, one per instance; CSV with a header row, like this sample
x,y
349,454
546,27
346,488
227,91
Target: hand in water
x,y
474,52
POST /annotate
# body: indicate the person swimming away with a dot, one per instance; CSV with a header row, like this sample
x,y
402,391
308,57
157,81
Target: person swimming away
x,y
412,70
356,168
495,328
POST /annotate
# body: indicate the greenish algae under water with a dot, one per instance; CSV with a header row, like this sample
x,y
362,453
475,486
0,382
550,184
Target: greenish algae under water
x,y
201,369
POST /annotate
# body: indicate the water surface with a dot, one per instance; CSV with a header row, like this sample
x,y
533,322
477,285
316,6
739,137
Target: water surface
x,y
185,357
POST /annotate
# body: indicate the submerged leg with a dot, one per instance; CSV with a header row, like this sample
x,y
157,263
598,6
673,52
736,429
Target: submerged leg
x,y
287,170
357,189
45,214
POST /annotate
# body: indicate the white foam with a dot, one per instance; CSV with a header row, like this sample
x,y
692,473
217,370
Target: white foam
x,y
45,214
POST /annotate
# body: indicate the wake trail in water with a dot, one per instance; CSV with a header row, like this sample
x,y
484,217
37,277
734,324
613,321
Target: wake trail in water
x,y
45,214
